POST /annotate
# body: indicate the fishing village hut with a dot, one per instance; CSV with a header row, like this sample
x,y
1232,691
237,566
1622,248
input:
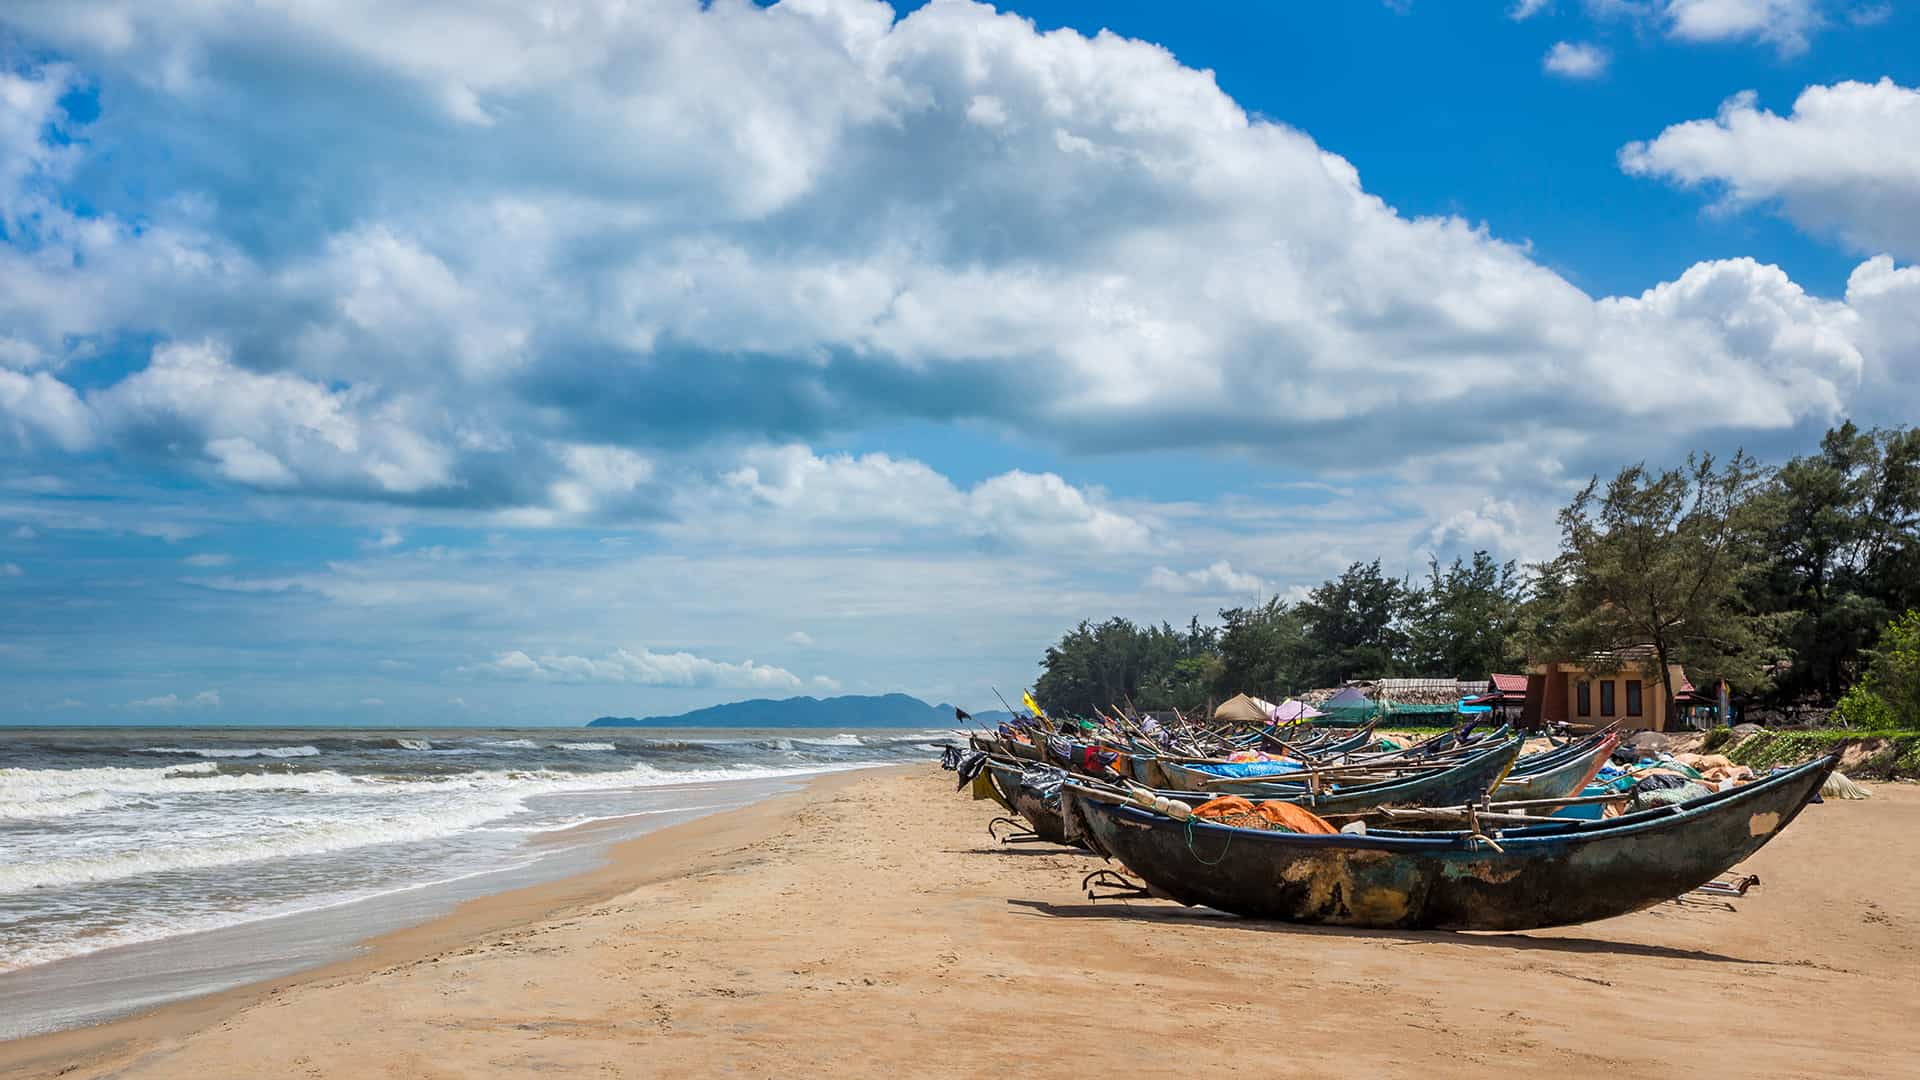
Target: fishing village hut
x,y
1620,688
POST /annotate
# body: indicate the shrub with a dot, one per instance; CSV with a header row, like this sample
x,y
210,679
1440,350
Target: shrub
x,y
1888,695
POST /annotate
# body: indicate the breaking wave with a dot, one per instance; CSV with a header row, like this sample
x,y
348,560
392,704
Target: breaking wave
x,y
458,802
234,751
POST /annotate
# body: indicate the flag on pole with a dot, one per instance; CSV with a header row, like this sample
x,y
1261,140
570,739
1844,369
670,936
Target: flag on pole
x,y
1026,698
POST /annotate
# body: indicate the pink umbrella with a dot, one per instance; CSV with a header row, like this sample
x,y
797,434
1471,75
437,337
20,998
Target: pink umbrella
x,y
1293,709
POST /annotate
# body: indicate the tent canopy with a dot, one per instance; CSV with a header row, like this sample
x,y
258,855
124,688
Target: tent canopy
x,y
1349,698
1243,709
1291,710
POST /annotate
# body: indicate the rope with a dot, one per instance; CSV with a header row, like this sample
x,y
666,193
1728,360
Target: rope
x,y
1196,854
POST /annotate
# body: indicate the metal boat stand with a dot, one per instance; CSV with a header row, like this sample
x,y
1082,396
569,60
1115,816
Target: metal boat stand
x,y
1734,886
1020,835
1124,889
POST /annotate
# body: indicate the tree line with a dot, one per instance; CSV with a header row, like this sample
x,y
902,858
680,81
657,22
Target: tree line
x,y
1783,581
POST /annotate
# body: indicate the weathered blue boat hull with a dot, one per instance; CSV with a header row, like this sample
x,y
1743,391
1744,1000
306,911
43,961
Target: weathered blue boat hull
x,y
1555,780
1463,783
1546,875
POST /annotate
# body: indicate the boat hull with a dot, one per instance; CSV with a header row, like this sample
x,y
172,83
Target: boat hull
x,y
1463,783
1548,875
1558,781
1043,818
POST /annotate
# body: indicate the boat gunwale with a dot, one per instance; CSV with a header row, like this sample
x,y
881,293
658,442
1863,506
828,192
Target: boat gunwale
x,y
1549,833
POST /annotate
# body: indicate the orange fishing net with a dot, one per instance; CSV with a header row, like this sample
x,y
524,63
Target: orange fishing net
x,y
1273,816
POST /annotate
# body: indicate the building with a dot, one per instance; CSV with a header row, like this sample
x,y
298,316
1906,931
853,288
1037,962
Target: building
x,y
1506,696
1623,688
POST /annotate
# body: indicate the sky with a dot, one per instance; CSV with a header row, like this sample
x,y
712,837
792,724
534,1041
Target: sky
x,y
491,362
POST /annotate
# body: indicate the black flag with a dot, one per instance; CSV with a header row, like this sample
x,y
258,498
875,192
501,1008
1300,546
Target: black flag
x,y
961,715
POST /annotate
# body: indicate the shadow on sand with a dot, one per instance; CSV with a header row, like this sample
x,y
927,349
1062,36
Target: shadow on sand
x,y
1164,914
1038,847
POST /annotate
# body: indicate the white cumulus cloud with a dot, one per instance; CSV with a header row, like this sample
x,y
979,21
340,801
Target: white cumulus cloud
x,y
794,493
1217,579
626,229
1784,24
642,667
205,699
1575,60
1844,162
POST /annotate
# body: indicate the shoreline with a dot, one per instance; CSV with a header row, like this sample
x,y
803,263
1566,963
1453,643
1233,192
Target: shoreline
x,y
621,866
865,927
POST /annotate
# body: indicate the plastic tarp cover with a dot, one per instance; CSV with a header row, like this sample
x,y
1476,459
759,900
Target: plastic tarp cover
x,y
1251,769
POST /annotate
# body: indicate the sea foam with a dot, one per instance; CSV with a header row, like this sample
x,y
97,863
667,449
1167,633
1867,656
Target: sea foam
x,y
234,751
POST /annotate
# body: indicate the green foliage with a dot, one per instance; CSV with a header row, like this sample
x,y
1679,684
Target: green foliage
x,y
1888,695
1861,708
1467,622
1666,559
1261,649
1777,581
1846,550
1764,750
1716,738
1354,627
1900,758
1109,664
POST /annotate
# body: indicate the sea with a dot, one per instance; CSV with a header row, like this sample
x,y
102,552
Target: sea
x,y
143,865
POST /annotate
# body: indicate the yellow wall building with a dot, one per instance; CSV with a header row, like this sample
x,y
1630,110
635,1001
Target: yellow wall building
x,y
1630,695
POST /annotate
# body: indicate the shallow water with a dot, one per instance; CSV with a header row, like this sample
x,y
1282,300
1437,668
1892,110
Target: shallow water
x,y
139,865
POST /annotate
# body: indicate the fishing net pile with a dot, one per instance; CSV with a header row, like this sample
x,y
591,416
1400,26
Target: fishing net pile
x,y
1268,816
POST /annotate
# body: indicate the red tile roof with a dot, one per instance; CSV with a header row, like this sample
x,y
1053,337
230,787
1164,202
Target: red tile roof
x,y
1510,684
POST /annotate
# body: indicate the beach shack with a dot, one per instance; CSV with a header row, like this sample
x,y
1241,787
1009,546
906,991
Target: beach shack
x,y
1619,688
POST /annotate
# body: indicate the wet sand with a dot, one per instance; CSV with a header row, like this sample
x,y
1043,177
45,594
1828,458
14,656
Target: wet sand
x,y
868,927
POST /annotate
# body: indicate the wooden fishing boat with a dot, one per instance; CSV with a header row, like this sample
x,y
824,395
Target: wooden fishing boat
x,y
1317,741
1557,774
1464,782
1146,763
1023,751
1043,817
1514,879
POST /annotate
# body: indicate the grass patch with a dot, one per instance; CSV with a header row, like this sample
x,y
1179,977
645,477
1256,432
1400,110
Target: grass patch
x,y
1769,748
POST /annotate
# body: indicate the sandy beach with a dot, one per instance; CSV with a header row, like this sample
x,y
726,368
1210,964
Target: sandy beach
x,y
867,927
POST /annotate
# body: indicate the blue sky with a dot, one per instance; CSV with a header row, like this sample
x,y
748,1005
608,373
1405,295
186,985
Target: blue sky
x,y
444,362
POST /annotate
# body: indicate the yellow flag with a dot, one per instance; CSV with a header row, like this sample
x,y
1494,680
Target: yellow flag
x,y
1026,698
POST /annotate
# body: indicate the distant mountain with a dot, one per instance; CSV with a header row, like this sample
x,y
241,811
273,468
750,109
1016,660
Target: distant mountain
x,y
852,710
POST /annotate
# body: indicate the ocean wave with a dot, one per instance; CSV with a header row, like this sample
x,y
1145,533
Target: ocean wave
x,y
585,746
40,793
24,785
60,805
467,802
234,751
842,739
358,744
283,839
47,950
512,744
